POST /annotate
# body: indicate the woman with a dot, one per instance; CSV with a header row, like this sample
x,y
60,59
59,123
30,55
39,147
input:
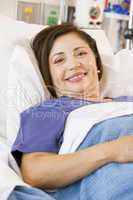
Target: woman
x,y
71,68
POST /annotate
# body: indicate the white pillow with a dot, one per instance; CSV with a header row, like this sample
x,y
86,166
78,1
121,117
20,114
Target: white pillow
x,y
25,87
103,44
118,80
11,33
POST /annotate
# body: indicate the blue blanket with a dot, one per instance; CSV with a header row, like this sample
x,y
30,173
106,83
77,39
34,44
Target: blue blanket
x,y
113,181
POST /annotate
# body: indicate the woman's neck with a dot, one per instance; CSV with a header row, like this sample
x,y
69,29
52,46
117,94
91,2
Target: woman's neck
x,y
90,98
96,97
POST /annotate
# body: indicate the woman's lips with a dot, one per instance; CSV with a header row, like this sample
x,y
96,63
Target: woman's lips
x,y
76,77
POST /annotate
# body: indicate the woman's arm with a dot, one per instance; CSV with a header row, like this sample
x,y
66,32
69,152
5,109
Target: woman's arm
x,y
49,171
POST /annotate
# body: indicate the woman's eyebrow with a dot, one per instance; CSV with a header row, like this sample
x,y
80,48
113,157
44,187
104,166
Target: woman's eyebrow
x,y
77,48
57,54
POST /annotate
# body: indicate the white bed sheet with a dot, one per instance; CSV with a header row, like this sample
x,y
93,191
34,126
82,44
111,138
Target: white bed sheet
x,y
9,172
81,120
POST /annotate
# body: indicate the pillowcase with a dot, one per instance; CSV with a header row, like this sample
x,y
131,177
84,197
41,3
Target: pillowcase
x,y
118,80
11,33
25,87
103,44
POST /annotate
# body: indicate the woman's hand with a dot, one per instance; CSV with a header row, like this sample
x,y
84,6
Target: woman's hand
x,y
122,149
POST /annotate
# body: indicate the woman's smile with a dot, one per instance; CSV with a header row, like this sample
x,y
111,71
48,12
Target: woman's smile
x,y
77,77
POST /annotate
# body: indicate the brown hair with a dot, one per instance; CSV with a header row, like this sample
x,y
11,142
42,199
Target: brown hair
x,y
43,43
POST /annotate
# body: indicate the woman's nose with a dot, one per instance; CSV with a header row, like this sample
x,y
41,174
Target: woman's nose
x,y
73,63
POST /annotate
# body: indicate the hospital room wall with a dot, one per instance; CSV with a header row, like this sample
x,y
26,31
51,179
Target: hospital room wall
x,y
8,7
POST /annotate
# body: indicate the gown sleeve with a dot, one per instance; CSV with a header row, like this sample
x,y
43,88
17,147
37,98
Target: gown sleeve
x,y
41,130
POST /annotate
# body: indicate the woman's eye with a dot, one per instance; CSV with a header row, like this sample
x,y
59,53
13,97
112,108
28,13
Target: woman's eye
x,y
81,53
59,60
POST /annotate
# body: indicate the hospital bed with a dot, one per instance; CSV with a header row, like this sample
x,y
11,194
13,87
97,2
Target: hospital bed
x,y
19,76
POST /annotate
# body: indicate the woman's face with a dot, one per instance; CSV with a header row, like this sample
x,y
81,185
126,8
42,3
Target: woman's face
x,y
73,68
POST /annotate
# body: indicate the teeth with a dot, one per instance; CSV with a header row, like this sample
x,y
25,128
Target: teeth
x,y
75,77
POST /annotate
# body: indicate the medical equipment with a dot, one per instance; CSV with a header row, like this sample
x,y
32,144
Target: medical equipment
x,y
89,14
129,32
30,12
63,11
117,7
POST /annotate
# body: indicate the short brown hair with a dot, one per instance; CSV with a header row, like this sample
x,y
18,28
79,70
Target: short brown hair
x,y
43,43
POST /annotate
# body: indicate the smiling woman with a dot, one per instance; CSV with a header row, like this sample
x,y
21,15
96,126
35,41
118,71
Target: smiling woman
x,y
60,49
71,68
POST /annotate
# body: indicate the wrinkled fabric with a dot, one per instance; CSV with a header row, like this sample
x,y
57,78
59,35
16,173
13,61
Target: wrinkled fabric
x,y
25,193
113,181
110,182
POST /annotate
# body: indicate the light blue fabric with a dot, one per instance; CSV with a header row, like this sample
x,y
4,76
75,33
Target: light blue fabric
x,y
25,193
113,181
